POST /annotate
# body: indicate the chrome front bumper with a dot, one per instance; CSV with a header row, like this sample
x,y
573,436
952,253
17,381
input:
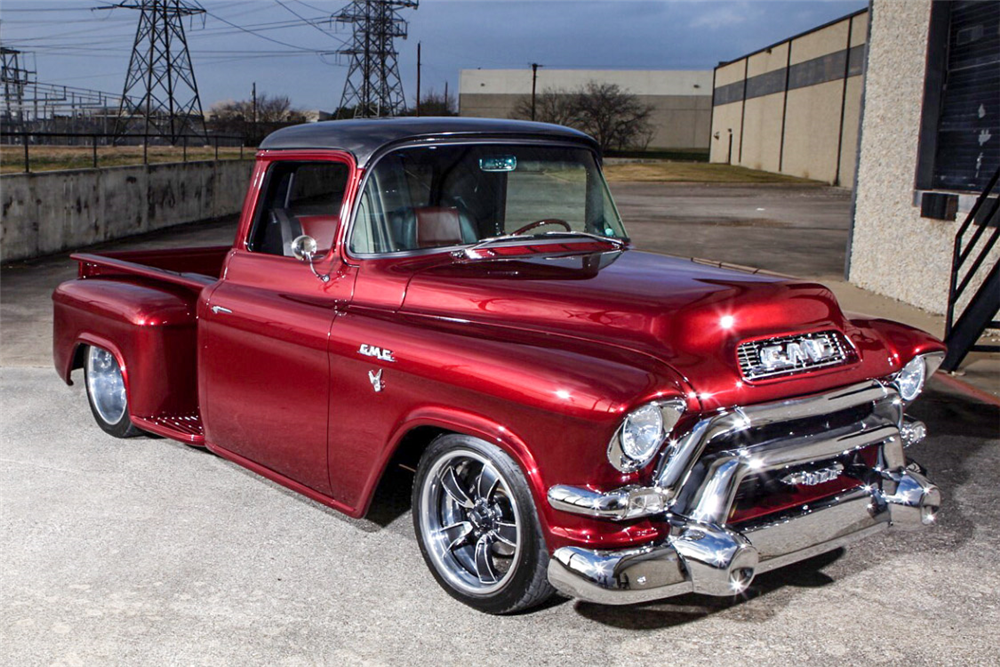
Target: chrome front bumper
x,y
697,487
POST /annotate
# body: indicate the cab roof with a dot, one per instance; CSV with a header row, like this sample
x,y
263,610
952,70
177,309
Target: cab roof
x,y
364,138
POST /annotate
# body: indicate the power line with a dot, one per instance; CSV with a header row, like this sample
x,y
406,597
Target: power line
x,y
252,32
307,21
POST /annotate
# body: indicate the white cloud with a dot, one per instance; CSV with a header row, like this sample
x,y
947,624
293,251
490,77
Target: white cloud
x,y
713,16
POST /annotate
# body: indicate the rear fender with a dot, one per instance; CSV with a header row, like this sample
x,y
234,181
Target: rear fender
x,y
150,329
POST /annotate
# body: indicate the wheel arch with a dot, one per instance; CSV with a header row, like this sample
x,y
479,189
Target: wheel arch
x,y
76,358
414,433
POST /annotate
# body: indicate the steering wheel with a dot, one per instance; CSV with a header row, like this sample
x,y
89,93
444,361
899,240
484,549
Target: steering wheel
x,y
544,221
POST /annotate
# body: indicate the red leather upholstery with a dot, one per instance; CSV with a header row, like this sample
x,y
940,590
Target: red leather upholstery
x,y
438,226
323,228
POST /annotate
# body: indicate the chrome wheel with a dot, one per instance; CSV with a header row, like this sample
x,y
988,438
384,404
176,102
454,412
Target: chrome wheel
x,y
469,520
105,385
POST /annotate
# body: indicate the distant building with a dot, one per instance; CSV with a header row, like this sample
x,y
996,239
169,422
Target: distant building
x,y
681,100
793,107
316,115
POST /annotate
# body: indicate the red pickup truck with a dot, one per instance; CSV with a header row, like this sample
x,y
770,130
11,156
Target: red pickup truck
x,y
459,297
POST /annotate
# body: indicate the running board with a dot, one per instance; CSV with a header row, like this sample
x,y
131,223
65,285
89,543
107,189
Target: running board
x,y
185,428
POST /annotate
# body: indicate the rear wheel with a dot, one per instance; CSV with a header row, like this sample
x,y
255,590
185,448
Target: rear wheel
x,y
106,393
477,528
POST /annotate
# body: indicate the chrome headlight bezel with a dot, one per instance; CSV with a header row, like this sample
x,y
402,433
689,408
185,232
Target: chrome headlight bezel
x,y
910,380
670,412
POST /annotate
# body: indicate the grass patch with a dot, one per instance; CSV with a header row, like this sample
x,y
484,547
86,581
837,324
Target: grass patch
x,y
694,172
676,154
52,158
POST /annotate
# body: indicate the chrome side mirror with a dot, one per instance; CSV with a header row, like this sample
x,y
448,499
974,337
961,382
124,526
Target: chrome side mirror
x,y
305,248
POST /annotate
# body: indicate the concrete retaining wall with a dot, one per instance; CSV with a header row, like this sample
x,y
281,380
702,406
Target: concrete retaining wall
x,y
50,212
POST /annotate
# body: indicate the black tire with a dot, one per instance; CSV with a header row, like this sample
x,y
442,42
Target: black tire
x,y
117,426
495,560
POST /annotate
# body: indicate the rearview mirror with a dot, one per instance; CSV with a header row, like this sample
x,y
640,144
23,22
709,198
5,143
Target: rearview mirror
x,y
305,250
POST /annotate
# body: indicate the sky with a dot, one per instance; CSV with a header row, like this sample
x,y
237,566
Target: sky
x,y
288,47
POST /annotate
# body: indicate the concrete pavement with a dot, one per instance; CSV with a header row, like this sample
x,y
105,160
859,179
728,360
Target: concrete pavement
x,y
147,552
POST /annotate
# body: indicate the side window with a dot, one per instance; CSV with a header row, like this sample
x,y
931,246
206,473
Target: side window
x,y
298,198
396,188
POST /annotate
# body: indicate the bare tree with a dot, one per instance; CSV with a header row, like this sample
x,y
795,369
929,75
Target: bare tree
x,y
613,116
237,117
433,103
616,118
554,105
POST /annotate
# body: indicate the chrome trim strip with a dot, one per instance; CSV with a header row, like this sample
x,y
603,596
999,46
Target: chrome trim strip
x,y
625,503
675,468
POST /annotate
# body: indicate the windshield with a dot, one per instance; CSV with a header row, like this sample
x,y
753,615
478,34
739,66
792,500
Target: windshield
x,y
440,196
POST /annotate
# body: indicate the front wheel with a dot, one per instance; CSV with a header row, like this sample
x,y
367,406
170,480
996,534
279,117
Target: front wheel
x,y
477,527
106,393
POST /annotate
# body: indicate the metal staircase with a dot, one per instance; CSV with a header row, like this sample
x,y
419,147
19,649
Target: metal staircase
x,y
969,316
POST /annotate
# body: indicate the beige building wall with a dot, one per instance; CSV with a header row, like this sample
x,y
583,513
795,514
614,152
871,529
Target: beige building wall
x,y
812,131
762,115
795,113
895,251
727,118
681,100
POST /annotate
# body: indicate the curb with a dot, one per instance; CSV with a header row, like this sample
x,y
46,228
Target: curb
x,y
966,388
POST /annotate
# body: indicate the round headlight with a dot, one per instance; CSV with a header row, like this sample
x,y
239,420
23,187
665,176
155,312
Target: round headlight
x,y
910,380
642,433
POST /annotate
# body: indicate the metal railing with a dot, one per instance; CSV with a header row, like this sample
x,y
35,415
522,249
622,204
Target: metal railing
x,y
968,318
95,141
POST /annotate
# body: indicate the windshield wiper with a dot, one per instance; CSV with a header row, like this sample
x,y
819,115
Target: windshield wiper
x,y
468,252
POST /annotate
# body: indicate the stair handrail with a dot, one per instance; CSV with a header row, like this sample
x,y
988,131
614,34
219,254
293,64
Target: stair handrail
x,y
960,256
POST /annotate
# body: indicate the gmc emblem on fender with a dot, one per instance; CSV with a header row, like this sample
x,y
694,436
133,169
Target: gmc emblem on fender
x,y
377,352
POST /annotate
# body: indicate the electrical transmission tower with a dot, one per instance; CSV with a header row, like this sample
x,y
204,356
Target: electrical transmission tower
x,y
14,79
160,97
373,87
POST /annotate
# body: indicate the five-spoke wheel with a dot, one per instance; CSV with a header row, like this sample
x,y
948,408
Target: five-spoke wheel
x,y
476,524
106,392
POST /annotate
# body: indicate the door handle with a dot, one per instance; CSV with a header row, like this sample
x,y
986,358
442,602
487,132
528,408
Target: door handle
x,y
220,309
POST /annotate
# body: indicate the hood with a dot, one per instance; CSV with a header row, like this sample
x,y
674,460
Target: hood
x,y
689,315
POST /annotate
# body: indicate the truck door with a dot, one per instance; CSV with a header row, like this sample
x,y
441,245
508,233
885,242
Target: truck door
x,y
263,354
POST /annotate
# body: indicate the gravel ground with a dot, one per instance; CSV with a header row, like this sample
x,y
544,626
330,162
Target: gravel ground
x,y
146,551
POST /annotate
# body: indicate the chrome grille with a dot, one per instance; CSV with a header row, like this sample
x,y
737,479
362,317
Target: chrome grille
x,y
814,350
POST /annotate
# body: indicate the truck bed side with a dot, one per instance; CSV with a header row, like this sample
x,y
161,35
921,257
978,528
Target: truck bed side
x,y
141,306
